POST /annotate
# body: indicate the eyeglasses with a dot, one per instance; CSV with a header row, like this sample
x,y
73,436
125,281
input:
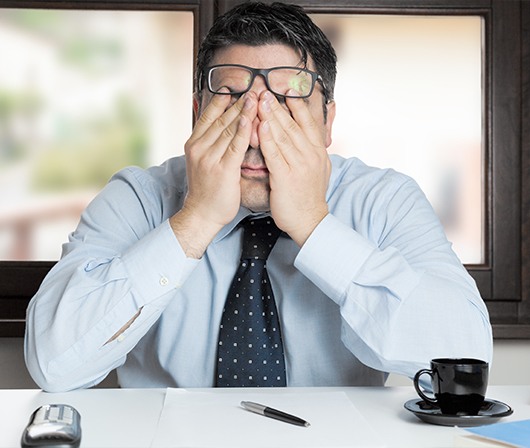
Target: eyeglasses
x,y
238,79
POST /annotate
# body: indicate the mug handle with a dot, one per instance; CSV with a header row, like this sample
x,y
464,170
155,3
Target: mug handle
x,y
417,386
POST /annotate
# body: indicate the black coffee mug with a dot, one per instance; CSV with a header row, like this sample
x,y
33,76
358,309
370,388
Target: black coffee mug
x,y
459,384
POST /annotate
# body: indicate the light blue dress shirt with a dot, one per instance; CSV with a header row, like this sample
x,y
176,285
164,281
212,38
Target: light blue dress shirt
x,y
376,288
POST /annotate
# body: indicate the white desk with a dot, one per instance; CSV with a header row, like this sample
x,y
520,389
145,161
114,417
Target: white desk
x,y
129,417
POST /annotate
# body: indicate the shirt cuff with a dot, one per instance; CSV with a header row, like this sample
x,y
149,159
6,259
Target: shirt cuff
x,y
156,263
332,256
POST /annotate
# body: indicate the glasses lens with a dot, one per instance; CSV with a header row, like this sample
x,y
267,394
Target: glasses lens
x,y
281,80
236,79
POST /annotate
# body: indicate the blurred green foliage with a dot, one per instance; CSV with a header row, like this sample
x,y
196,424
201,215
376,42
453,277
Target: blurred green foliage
x,y
46,22
89,153
15,106
82,152
92,54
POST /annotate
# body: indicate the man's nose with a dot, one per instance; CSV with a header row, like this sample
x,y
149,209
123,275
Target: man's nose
x,y
254,138
258,86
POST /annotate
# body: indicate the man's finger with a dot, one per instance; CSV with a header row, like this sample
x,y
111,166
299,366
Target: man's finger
x,y
235,138
274,157
212,112
216,117
283,128
304,118
207,134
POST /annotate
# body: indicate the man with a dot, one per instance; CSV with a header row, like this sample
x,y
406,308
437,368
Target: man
x,y
364,281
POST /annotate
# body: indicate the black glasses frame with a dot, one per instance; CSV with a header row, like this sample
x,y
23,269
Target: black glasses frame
x,y
315,77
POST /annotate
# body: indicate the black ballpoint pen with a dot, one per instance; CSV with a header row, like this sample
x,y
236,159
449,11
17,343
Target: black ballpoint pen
x,y
273,413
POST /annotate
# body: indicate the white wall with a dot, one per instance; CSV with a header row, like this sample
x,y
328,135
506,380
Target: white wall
x,y
511,365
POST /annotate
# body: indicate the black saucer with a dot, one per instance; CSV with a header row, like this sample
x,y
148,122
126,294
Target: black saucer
x,y
490,412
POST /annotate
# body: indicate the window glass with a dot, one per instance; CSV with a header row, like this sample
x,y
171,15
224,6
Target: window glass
x,y
83,94
410,96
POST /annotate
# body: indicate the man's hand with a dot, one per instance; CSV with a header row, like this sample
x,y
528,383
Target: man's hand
x,y
214,154
295,151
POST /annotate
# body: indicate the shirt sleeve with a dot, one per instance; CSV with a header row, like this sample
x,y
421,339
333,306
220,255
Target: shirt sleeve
x,y
404,296
123,259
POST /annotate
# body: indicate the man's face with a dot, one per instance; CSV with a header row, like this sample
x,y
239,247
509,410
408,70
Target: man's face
x,y
255,188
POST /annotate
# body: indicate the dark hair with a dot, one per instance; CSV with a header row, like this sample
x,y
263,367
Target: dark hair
x,y
256,23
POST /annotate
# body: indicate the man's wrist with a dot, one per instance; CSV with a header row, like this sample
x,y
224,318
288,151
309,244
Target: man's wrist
x,y
193,233
304,231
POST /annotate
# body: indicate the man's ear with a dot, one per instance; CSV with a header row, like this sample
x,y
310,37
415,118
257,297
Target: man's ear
x,y
196,106
329,121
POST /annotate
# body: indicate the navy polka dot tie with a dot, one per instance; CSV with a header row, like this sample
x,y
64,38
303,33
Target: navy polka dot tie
x,y
250,350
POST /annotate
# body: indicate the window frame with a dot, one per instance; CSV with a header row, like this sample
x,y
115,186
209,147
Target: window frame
x,y
504,278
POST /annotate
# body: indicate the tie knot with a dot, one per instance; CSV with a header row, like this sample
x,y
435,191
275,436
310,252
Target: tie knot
x,y
259,237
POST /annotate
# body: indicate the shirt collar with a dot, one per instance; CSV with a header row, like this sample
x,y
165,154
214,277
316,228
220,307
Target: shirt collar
x,y
241,214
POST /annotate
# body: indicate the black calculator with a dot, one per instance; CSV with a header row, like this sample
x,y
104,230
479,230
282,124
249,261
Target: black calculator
x,y
53,426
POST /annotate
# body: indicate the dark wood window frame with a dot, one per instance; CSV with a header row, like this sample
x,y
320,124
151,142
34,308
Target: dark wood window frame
x,y
504,278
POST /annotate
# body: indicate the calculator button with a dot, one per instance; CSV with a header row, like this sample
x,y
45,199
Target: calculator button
x,y
68,415
54,413
40,415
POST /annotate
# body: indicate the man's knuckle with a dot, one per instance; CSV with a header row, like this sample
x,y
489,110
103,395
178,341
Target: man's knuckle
x,y
228,133
292,126
222,123
283,139
207,117
274,155
190,147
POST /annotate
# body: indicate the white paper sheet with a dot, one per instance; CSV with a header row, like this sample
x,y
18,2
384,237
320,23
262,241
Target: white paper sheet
x,y
208,419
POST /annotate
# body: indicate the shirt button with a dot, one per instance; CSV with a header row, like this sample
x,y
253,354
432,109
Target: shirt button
x,y
121,337
164,281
